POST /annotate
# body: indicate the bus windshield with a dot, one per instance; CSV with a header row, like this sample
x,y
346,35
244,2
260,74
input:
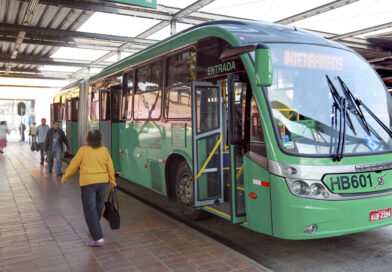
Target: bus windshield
x,y
306,101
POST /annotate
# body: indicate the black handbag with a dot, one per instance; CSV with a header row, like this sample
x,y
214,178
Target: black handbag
x,y
111,212
34,146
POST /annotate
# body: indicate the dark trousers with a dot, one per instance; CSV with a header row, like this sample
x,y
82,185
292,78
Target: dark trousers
x,y
42,151
51,155
93,198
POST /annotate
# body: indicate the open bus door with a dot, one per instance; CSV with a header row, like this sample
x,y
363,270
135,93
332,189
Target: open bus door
x,y
237,97
105,126
207,136
115,98
74,141
68,122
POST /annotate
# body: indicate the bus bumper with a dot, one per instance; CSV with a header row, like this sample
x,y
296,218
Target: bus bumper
x,y
291,215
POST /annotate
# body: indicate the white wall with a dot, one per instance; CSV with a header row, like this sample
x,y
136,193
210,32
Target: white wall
x,y
43,98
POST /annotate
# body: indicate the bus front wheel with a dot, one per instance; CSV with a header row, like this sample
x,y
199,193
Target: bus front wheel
x,y
184,192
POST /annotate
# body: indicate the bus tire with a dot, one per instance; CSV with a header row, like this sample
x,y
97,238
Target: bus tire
x,y
184,192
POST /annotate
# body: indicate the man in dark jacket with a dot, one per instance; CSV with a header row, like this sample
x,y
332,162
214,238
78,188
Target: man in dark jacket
x,y
55,138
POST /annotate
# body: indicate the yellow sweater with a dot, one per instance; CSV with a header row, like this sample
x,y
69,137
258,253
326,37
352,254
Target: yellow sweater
x,y
96,166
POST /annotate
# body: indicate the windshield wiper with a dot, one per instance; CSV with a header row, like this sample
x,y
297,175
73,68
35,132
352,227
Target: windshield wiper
x,y
338,102
356,103
339,105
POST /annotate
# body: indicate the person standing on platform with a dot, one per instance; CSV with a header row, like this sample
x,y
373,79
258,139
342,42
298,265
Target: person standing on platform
x,y
40,133
22,129
3,135
32,132
96,171
55,138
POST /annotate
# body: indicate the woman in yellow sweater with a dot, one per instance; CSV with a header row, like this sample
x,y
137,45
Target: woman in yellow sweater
x,y
96,171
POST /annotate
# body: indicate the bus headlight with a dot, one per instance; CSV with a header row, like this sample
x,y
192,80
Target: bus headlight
x,y
315,189
308,188
301,188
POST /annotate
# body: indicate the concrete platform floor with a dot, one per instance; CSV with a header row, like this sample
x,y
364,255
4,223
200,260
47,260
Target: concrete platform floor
x,y
42,228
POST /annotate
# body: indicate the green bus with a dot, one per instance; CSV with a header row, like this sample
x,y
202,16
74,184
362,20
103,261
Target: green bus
x,y
267,126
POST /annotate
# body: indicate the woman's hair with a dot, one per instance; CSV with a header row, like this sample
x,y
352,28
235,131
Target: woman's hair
x,y
94,138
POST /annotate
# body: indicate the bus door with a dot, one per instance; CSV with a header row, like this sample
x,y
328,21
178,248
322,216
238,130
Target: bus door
x,y
74,141
237,97
105,126
115,96
68,122
208,143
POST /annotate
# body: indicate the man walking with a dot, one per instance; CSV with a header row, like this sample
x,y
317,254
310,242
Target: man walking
x,y
55,138
40,133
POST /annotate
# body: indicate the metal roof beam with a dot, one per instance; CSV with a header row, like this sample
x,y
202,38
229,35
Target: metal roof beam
x,y
380,59
41,58
316,11
35,76
362,31
163,13
72,44
74,34
21,70
381,67
29,86
111,8
178,15
50,62
28,16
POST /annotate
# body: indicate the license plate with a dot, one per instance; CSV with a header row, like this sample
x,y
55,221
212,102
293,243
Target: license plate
x,y
380,214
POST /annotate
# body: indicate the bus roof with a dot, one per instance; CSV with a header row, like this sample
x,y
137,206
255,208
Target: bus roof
x,y
237,32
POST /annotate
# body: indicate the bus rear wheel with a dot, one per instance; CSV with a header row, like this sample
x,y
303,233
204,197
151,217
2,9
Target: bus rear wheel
x,y
184,193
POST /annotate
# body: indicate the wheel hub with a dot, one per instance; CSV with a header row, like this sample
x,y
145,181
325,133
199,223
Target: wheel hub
x,y
185,190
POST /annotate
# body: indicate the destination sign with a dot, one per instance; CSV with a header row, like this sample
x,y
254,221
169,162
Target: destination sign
x,y
312,60
223,68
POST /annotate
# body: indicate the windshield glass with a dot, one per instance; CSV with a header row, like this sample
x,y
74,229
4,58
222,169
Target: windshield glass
x,y
302,104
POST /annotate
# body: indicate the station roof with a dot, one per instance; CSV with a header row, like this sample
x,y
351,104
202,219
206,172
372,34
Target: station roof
x,y
69,40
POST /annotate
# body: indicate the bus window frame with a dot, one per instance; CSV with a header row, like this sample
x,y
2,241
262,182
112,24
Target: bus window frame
x,y
94,92
167,88
75,109
128,94
63,117
68,102
115,91
108,100
159,89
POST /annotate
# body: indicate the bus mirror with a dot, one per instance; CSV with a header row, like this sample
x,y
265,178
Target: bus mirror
x,y
263,67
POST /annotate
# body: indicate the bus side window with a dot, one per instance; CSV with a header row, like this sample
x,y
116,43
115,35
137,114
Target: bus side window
x,y
69,110
257,144
75,110
126,103
148,92
180,73
94,106
240,89
115,105
105,106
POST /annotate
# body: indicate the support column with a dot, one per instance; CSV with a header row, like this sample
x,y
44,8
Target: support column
x,y
173,27
83,110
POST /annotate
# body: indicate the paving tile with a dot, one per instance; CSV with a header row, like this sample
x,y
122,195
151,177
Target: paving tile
x,y
42,228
